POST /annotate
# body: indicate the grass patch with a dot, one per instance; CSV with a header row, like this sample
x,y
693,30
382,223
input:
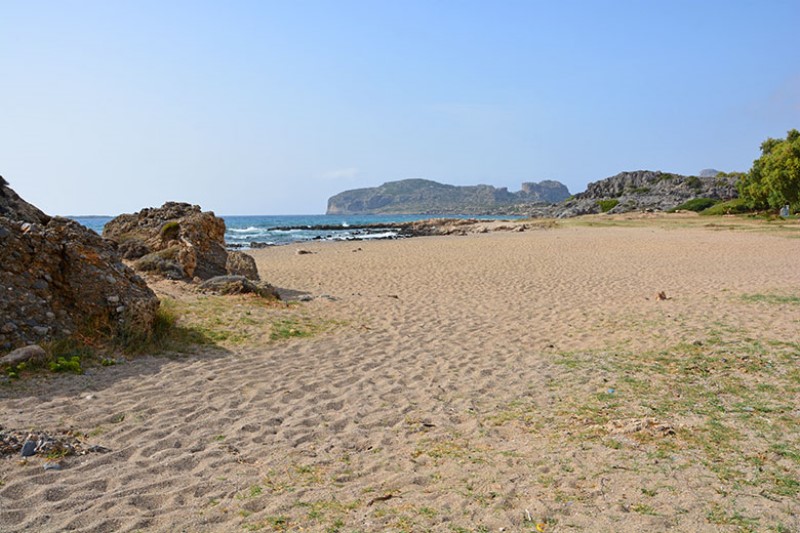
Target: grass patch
x,y
180,326
779,299
291,327
727,401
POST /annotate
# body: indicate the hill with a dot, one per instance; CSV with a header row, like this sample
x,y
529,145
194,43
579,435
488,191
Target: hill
x,y
421,196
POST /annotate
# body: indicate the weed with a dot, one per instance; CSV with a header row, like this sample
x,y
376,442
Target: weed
x,y
67,364
643,509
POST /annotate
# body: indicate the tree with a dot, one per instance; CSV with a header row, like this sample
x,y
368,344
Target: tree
x,y
774,180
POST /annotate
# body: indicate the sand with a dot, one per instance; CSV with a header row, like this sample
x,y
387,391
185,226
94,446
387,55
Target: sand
x,y
508,381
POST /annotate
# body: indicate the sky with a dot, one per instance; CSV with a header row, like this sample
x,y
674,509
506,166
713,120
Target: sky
x,y
271,107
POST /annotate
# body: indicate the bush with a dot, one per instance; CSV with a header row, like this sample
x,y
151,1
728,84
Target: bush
x,y
607,205
731,207
696,205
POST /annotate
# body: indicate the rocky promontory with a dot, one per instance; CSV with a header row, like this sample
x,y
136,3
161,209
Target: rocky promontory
x,y
420,196
58,278
180,241
641,190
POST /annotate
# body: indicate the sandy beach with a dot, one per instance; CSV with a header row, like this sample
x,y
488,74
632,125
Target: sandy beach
x,y
507,381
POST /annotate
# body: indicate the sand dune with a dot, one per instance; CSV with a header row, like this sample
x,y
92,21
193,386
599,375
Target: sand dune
x,y
520,381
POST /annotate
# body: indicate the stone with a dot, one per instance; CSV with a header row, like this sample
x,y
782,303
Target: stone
x,y
23,355
239,285
241,264
28,448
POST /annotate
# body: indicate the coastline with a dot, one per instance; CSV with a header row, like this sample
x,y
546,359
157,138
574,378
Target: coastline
x,y
506,379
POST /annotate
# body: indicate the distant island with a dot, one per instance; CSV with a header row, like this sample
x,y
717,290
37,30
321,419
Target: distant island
x,y
421,196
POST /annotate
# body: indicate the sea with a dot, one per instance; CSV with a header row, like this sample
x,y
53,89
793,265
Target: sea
x,y
255,231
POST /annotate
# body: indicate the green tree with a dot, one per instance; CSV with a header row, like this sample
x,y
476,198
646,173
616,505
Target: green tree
x,y
774,180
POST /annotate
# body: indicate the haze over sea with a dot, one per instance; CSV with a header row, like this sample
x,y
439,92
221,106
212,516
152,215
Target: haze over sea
x,y
242,231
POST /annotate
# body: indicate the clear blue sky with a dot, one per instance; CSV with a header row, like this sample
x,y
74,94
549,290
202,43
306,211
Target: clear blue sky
x,y
270,107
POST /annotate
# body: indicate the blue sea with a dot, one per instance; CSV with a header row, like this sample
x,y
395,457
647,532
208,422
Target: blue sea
x,y
264,230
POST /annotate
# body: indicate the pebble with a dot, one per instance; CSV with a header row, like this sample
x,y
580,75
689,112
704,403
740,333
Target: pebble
x,y
28,448
113,299
41,330
52,466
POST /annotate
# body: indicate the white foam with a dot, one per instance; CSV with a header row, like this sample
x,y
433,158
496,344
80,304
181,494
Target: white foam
x,y
251,229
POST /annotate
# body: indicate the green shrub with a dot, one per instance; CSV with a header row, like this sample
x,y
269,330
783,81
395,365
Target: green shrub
x,y
696,205
733,207
607,205
67,364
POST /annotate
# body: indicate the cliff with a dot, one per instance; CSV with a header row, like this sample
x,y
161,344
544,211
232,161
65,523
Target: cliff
x,y
641,190
419,196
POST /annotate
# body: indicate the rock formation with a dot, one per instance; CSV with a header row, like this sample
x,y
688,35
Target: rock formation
x,y
549,191
419,196
641,190
178,241
58,278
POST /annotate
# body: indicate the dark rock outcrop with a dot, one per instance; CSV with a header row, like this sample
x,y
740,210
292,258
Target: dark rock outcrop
x,y
58,278
641,190
419,196
177,241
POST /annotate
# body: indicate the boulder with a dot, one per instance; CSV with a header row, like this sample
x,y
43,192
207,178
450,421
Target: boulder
x,y
241,264
177,241
34,352
58,278
239,285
